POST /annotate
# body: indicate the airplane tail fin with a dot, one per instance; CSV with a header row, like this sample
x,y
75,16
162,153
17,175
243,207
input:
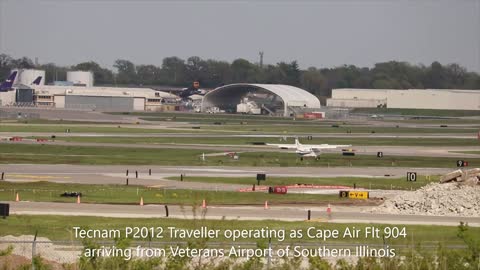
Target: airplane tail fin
x,y
297,143
37,80
7,84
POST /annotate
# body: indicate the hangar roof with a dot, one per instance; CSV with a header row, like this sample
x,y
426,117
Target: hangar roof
x,y
291,95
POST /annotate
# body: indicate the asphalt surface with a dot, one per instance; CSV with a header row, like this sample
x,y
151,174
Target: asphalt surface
x,y
419,151
73,115
287,213
56,171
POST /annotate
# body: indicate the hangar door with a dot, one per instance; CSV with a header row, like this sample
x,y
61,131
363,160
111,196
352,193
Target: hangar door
x,y
122,104
24,96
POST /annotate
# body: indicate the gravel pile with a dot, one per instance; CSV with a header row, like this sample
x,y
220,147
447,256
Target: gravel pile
x,y
449,199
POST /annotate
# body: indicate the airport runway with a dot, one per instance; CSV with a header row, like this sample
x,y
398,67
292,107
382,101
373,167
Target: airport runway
x,y
419,151
89,174
59,169
287,213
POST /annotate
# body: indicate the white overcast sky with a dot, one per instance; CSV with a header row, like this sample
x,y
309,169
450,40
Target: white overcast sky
x,y
316,33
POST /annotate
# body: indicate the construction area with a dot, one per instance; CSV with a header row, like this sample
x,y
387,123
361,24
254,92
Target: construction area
x,y
457,194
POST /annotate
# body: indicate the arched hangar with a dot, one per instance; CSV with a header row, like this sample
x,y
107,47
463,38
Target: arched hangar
x,y
274,99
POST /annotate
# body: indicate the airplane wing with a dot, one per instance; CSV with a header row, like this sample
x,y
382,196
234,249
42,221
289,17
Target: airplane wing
x,y
327,146
283,146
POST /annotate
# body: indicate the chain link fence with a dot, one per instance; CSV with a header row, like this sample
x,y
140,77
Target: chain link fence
x,y
69,252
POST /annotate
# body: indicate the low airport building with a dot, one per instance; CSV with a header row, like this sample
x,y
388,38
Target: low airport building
x,y
439,99
273,99
90,98
104,98
79,93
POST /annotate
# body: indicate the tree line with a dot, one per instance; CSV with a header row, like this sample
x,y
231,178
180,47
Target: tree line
x,y
175,71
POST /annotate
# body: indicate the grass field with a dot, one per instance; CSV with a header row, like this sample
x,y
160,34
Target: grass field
x,y
120,194
81,129
370,183
249,141
57,154
305,129
61,228
284,129
57,122
248,129
468,152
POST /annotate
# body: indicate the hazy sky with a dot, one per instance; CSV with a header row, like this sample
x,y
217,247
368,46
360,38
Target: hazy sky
x,y
316,33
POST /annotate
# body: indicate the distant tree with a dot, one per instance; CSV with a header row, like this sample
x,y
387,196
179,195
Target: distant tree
x,y
472,81
220,73
126,73
313,80
23,62
5,65
289,73
173,71
148,74
435,76
242,70
455,75
196,69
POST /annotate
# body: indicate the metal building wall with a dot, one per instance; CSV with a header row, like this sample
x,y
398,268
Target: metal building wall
x,y
81,77
59,101
434,99
355,103
139,104
7,98
121,104
349,93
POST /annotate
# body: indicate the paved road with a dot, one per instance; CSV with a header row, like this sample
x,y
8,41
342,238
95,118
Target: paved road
x,y
288,213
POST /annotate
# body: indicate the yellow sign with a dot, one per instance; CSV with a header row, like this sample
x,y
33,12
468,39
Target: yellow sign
x,y
358,195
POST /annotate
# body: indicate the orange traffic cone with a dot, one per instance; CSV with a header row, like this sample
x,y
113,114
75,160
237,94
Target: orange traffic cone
x,y
266,205
141,201
17,198
329,210
78,199
204,204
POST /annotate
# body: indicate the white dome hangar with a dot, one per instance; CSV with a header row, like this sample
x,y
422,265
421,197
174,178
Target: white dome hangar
x,y
278,99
